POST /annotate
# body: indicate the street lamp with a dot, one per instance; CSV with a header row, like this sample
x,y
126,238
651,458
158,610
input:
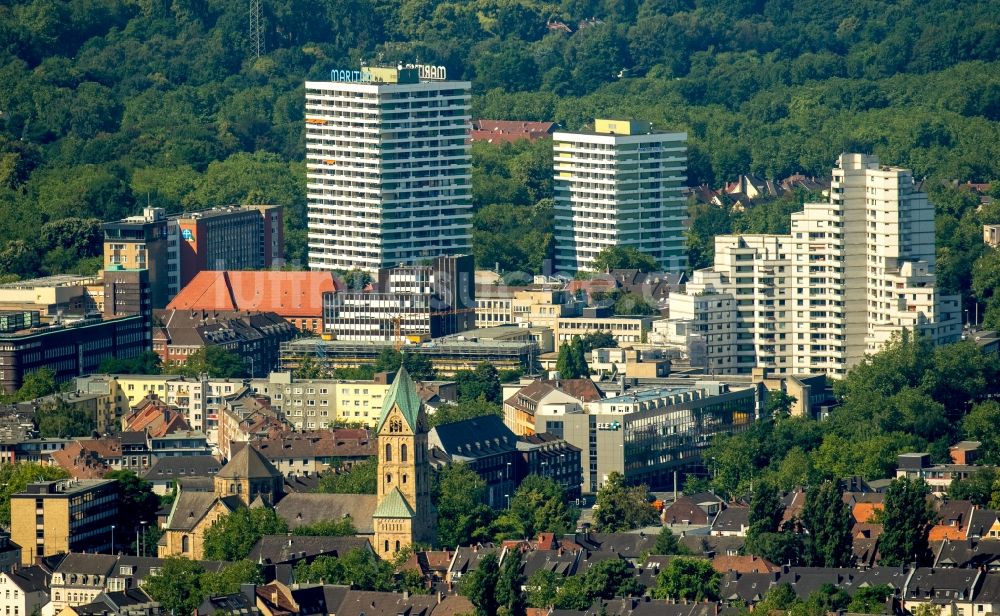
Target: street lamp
x,y
508,500
112,538
143,538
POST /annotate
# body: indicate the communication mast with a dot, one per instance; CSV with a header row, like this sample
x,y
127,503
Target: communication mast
x,y
256,29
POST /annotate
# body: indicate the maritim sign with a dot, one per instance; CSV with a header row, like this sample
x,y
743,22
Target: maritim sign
x,y
410,73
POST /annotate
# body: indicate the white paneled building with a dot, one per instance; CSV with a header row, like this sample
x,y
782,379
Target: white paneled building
x,y
620,185
851,273
388,168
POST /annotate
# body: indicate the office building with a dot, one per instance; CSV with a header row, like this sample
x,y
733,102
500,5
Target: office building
x,y
388,168
70,349
248,237
851,273
175,248
409,303
648,433
141,242
620,184
71,515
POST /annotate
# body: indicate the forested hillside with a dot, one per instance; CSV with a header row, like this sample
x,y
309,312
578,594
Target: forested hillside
x,y
106,105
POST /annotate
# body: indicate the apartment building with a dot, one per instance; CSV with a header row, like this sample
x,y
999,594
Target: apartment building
x,y
71,515
141,242
626,330
813,301
316,403
388,168
620,184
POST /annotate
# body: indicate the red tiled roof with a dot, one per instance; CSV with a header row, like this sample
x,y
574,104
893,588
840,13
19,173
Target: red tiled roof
x,y
284,293
509,131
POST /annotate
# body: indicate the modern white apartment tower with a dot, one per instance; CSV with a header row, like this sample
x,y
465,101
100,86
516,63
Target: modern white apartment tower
x,y
850,274
620,185
388,168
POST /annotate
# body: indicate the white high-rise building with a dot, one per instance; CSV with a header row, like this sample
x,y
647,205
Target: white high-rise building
x,y
388,168
620,185
850,274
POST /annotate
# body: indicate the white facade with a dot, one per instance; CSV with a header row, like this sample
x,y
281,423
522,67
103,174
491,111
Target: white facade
x,y
850,274
615,189
388,172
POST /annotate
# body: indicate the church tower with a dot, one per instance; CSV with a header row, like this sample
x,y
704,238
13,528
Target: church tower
x,y
404,513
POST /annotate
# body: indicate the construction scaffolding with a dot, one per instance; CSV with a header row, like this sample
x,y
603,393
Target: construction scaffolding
x,y
447,355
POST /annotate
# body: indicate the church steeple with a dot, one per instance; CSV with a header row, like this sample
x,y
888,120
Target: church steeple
x,y
404,513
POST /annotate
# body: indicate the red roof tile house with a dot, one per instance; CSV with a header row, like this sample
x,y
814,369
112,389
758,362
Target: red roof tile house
x,y
297,297
509,131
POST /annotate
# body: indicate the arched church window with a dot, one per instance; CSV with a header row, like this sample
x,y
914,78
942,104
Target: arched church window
x,y
402,453
388,452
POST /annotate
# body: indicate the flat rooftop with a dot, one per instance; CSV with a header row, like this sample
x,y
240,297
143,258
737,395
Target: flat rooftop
x,y
63,487
58,280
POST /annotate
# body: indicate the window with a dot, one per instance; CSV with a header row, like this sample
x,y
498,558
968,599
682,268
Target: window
x,y
388,452
185,544
402,453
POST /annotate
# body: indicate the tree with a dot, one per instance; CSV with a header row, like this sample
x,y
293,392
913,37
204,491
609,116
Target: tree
x,y
779,404
537,506
620,507
419,367
623,257
870,599
360,478
213,360
146,363
462,410
60,419
667,544
177,586
906,520
232,536
459,497
572,361
542,588
632,304
480,586
229,579
611,578
827,521
508,592
597,340
977,488
14,478
37,384
136,504
483,382
766,511
980,425
359,568
688,578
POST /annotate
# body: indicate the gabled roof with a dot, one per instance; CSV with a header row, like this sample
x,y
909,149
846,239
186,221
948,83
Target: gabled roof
x,y
271,549
30,579
394,505
88,564
305,509
403,394
249,463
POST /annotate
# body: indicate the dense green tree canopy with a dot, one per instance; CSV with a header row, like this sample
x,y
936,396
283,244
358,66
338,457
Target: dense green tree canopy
x,y
232,536
620,507
359,478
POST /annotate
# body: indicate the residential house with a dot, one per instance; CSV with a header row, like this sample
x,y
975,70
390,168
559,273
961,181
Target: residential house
x,y
732,521
168,470
24,590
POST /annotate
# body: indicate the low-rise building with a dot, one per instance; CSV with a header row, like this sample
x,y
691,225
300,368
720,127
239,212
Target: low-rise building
x,y
52,517
626,330
23,591
937,476
630,362
541,396
648,433
551,457
255,337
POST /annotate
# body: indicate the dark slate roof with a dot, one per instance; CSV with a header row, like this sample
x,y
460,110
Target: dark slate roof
x,y
561,562
132,438
705,545
628,545
249,463
172,467
970,553
87,564
299,483
731,519
467,558
981,522
307,509
474,438
236,603
644,606
684,510
273,549
30,579
989,591
372,603
747,587
942,586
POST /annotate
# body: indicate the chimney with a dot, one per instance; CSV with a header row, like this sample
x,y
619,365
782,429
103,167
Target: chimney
x,y
250,592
